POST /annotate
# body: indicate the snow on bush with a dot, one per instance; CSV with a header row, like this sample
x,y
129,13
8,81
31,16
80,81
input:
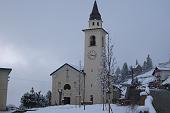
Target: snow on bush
x,y
147,90
142,109
143,93
148,103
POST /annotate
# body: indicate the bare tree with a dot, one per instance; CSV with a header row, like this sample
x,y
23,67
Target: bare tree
x,y
106,72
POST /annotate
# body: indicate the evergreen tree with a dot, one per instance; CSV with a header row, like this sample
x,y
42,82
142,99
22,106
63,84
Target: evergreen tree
x,y
124,71
118,71
48,98
149,62
33,99
137,62
144,67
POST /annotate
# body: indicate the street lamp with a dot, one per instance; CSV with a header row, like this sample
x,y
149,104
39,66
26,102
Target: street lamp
x,y
60,95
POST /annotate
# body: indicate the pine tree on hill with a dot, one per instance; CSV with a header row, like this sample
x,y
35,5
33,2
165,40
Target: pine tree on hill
x,y
144,67
118,71
124,71
137,62
149,62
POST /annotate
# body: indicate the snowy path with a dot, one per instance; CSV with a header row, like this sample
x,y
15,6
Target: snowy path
x,y
75,109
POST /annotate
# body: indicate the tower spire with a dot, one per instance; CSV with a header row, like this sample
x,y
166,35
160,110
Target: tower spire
x,y
95,12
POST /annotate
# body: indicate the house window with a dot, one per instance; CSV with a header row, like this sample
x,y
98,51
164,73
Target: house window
x,y
67,87
92,40
97,23
91,85
102,41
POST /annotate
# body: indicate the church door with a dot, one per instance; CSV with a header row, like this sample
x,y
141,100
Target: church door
x,y
66,100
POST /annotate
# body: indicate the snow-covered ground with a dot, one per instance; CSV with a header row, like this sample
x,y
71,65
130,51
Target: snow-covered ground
x,y
75,109
89,109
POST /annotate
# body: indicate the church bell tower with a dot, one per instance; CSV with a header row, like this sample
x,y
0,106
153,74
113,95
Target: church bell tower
x,y
95,40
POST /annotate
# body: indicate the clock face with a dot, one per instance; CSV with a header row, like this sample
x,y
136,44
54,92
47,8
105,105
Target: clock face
x,y
92,54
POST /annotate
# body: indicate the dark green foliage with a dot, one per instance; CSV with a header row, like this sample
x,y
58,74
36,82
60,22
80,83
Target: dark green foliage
x,y
33,99
125,71
149,62
147,65
48,98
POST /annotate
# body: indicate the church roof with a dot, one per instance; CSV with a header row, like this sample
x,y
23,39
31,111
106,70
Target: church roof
x,y
63,66
95,13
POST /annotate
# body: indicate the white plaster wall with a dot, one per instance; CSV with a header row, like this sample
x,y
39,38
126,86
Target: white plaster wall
x,y
3,88
164,74
91,67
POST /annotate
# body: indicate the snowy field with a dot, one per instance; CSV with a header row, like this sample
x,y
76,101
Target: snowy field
x,y
75,109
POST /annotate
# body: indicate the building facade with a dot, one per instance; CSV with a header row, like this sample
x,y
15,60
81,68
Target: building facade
x,y
162,72
67,85
4,72
68,82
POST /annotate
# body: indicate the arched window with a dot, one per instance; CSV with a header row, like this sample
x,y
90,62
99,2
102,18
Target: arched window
x,y
67,87
92,40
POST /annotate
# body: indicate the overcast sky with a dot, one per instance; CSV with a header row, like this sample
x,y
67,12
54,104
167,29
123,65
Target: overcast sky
x,y
38,36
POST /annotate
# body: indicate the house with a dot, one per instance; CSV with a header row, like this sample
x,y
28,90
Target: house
x,y
4,72
137,70
162,72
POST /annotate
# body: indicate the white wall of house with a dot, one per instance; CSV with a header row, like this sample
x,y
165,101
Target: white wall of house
x,y
164,74
3,87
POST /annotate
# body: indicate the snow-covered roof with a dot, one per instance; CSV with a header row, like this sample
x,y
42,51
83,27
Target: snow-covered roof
x,y
167,81
143,78
146,77
164,66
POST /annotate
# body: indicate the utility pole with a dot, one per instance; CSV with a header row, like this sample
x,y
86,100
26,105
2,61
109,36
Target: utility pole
x,y
84,74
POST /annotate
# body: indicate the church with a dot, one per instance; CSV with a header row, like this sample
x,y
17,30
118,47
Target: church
x,y
71,85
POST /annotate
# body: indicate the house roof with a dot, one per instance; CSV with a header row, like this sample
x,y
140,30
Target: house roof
x,y
165,64
65,65
6,69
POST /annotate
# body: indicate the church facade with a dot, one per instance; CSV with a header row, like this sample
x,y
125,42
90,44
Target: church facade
x,y
71,85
